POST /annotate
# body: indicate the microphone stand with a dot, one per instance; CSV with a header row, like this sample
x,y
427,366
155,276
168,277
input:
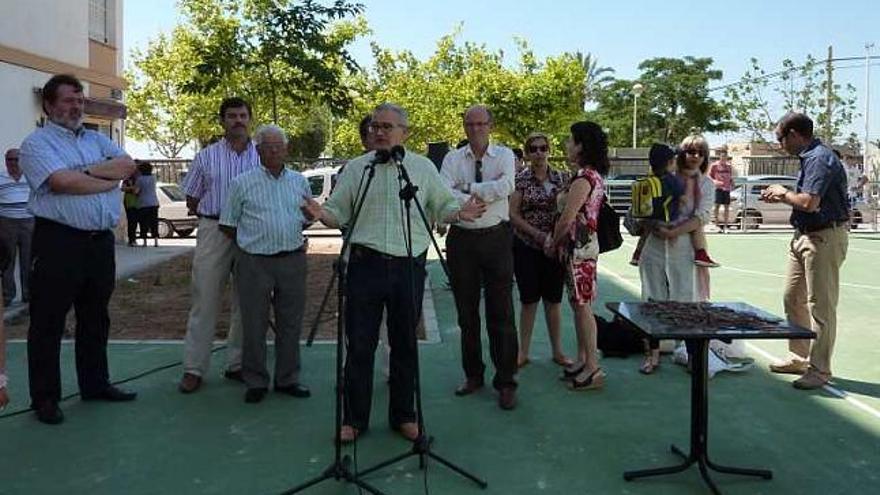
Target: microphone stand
x,y
340,469
422,444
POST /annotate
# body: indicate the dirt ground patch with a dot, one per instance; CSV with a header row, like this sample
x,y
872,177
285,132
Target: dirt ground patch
x,y
155,304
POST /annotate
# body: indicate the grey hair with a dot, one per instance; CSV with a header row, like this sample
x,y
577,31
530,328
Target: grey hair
x,y
391,107
261,132
480,107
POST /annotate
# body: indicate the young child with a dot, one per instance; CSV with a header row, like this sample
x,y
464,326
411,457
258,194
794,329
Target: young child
x,y
662,161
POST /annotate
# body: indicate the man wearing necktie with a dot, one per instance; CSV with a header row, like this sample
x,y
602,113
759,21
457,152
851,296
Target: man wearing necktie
x,y
481,256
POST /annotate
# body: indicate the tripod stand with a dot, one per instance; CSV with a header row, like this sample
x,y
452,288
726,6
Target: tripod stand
x,y
422,445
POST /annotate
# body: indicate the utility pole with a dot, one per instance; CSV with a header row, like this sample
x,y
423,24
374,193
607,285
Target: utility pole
x,y
829,95
868,47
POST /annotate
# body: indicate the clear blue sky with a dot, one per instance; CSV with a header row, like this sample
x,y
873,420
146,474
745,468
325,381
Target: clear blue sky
x,y
620,34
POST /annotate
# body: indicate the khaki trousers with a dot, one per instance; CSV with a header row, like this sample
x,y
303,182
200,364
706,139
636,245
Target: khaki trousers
x,y
812,287
213,263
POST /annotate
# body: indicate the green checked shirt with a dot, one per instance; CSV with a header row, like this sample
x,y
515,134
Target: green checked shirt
x,y
380,225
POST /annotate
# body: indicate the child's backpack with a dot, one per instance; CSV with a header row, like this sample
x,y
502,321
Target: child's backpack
x,y
648,200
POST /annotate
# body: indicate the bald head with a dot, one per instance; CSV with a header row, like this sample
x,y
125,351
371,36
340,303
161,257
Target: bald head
x,y
477,127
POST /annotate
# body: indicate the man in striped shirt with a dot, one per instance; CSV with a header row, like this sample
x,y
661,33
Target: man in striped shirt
x,y
262,215
206,186
16,227
74,174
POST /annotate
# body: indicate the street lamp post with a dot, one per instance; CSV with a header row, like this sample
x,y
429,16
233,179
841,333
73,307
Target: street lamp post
x,y
868,47
637,90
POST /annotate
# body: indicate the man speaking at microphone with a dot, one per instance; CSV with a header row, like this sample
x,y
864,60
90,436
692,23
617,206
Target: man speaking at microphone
x,y
380,275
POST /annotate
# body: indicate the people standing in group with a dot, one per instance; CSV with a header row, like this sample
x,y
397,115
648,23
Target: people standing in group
x,y
575,243
206,187
16,228
538,277
148,202
721,173
74,174
480,256
262,216
380,275
666,265
820,218
130,202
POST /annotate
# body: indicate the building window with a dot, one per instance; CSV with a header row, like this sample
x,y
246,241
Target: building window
x,y
102,18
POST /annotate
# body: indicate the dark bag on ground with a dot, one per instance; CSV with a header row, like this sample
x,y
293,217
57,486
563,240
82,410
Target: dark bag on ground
x,y
608,228
617,339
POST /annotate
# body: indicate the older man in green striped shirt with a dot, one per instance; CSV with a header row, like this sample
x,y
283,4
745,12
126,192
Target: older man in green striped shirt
x,y
263,216
380,275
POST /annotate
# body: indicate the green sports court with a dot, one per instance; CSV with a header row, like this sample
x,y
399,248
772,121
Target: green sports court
x,y
555,441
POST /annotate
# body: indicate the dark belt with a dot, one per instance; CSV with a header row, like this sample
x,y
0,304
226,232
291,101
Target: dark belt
x,y
822,226
359,251
210,217
484,230
45,222
281,254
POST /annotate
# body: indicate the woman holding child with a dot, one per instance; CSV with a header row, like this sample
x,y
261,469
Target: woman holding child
x,y
667,265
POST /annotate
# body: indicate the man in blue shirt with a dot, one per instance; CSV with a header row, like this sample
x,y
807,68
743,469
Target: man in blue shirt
x,y
262,216
74,174
820,218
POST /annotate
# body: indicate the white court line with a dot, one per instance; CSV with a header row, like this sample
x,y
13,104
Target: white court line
x,y
769,357
777,275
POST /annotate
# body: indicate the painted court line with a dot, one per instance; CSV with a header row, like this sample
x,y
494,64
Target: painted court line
x,y
777,275
769,357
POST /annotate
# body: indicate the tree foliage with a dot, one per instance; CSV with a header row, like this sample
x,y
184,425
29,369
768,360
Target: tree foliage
x,y
530,95
675,102
759,99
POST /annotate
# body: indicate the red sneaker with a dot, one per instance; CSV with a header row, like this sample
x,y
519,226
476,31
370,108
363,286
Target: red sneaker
x,y
701,258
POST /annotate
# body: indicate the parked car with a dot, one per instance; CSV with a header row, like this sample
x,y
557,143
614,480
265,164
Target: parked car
x,y
174,217
759,212
321,182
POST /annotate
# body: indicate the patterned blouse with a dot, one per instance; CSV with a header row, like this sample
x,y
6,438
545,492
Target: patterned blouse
x,y
538,204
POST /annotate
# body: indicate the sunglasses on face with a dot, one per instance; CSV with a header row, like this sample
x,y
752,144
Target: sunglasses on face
x,y
385,127
533,148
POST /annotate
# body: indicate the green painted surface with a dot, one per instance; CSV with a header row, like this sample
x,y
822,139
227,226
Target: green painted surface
x,y
556,441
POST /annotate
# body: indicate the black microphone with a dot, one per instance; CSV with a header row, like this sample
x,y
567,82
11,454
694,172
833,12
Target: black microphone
x,y
397,153
381,156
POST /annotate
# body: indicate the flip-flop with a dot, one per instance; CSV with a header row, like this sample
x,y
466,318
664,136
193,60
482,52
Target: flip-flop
x,y
563,362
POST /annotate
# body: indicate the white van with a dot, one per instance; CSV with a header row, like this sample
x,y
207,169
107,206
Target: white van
x,y
321,182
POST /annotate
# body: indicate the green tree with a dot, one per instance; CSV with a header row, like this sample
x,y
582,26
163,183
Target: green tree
x,y
595,77
531,95
758,99
675,102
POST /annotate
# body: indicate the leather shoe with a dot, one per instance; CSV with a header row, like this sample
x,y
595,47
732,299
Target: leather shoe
x,y
234,375
189,383
408,430
469,386
49,413
254,395
296,390
112,394
507,398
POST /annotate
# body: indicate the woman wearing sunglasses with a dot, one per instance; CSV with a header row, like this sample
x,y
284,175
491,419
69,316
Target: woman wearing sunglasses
x,y
538,277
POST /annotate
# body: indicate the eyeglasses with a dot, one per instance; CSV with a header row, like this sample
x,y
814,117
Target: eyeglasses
x,y
534,148
386,127
694,152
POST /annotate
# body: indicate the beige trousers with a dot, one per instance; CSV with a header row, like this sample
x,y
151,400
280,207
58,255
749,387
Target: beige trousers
x,y
213,262
812,287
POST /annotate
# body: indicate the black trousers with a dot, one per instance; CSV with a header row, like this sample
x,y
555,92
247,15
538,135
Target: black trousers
x,y
375,282
148,218
131,219
484,259
71,268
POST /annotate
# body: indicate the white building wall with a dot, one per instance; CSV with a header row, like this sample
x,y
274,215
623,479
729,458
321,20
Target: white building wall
x,y
20,101
22,21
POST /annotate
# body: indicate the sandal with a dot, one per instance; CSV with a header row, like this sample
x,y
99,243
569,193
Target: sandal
x,y
595,380
571,373
649,366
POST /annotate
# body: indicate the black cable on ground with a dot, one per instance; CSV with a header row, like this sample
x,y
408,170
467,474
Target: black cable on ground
x,y
150,371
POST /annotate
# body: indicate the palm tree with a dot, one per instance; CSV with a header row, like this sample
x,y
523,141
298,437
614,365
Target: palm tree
x,y
595,77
